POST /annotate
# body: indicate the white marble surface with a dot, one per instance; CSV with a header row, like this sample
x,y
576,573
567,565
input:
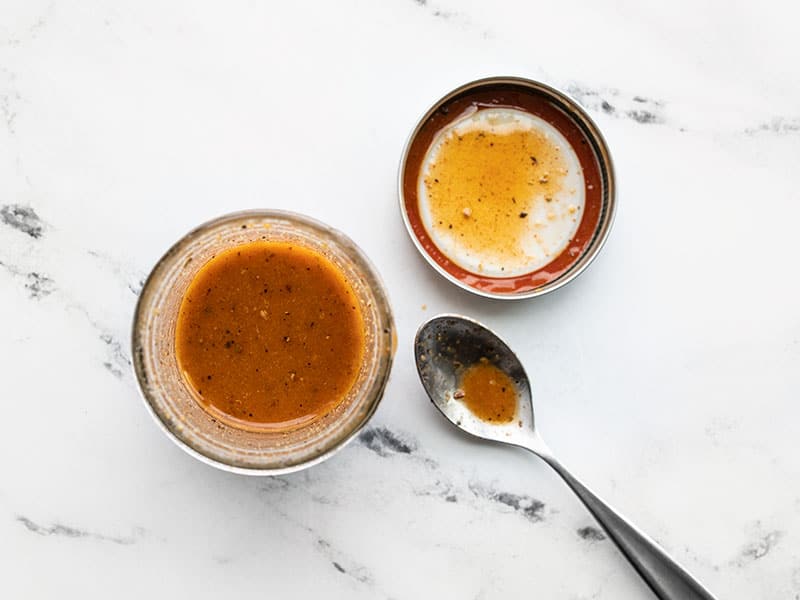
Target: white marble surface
x,y
667,376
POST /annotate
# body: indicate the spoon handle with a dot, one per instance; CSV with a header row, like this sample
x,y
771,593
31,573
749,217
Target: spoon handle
x,y
665,577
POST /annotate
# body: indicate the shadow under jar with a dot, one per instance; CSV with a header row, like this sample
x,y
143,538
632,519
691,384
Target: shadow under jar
x,y
174,401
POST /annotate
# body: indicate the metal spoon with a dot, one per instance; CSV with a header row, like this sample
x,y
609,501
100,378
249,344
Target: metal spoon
x,y
447,344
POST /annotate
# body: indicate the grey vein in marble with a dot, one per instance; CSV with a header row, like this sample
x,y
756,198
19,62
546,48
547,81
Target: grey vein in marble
x,y
527,506
22,218
275,483
9,98
436,12
616,104
119,362
61,530
344,564
38,284
439,489
32,31
340,561
136,288
457,18
384,442
132,278
779,125
759,548
591,534
7,109
796,583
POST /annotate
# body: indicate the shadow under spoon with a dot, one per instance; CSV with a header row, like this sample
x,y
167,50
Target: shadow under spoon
x,y
448,344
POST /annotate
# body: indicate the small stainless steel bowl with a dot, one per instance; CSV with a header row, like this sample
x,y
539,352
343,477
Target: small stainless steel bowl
x,y
589,130
166,393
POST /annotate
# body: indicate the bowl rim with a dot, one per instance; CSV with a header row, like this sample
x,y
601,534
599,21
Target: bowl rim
x,y
594,136
139,370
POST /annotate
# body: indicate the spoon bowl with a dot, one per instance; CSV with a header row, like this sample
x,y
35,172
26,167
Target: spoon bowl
x,y
444,348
